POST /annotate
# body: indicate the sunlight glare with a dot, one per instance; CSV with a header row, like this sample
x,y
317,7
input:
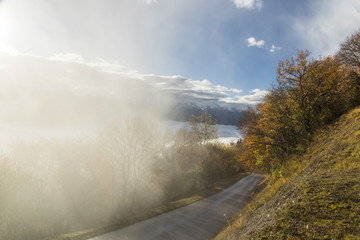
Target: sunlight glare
x,y
7,29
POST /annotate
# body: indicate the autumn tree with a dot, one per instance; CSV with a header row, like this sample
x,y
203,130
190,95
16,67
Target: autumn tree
x,y
247,121
272,132
349,56
292,88
203,127
313,90
349,53
308,94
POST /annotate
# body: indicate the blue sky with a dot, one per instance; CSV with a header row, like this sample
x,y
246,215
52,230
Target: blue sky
x,y
229,48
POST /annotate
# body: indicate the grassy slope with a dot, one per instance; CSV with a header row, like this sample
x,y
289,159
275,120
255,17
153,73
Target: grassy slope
x,y
317,196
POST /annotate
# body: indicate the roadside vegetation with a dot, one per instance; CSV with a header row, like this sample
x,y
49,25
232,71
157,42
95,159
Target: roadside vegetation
x,y
317,196
132,170
305,136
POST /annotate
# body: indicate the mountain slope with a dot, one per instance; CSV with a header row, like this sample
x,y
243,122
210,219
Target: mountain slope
x,y
226,114
320,197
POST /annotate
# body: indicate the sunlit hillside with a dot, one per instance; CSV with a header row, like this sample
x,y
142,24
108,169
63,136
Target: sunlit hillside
x,y
320,195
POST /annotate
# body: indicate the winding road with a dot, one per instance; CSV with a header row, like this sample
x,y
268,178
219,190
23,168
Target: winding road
x,y
200,220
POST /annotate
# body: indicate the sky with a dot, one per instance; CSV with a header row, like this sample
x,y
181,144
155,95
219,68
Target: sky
x,y
223,50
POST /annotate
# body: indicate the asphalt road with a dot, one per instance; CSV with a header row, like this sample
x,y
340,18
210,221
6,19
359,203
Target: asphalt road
x,y
200,220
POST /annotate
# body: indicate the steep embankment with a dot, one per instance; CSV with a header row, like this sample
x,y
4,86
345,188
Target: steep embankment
x,y
317,196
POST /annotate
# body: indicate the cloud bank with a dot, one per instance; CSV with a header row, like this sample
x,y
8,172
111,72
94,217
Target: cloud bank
x,y
64,89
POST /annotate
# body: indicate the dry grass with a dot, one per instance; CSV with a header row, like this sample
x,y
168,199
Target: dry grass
x,y
315,196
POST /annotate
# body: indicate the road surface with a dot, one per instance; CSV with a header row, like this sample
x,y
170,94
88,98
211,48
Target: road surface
x,y
200,220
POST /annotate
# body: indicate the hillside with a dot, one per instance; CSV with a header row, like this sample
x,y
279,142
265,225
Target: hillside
x,y
316,196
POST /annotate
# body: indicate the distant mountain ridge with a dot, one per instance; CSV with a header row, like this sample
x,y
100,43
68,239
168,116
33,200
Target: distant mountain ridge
x,y
226,115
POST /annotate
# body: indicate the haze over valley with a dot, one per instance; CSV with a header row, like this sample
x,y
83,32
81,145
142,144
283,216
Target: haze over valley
x,y
113,112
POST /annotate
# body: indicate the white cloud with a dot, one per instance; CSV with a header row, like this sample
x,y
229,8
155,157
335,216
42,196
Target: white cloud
x,y
113,76
151,1
234,90
8,50
65,89
256,96
252,42
68,57
99,63
274,48
328,24
261,44
249,4
187,89
253,97
107,66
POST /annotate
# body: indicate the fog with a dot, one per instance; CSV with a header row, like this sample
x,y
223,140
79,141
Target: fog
x,y
50,92
79,146
83,142
85,145
39,93
226,133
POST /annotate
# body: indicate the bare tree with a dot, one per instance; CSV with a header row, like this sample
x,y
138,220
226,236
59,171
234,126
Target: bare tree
x,y
349,52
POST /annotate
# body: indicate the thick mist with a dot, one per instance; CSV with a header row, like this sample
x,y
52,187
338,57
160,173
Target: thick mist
x,y
40,91
44,97
84,145
80,146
